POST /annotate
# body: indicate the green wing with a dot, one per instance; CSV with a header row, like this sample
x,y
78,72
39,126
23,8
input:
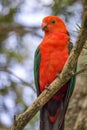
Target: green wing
x,y
73,79
71,85
36,69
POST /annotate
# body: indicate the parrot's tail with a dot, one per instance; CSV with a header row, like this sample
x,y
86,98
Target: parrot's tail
x,y
52,115
45,123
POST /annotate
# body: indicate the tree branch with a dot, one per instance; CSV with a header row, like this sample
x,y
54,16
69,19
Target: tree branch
x,y
65,75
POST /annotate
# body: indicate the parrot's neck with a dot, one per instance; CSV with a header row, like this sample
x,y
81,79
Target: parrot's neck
x,y
56,41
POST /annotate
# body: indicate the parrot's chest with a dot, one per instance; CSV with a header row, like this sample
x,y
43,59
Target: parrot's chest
x,y
51,64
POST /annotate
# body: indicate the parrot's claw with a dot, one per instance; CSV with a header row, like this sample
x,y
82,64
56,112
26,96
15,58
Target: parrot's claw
x,y
47,88
58,74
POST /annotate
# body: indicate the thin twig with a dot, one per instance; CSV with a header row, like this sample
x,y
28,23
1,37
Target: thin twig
x,y
79,72
23,82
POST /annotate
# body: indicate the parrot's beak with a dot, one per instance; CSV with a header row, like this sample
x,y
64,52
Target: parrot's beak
x,y
44,27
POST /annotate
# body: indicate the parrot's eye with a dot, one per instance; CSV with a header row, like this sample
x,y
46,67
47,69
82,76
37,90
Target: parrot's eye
x,y
53,21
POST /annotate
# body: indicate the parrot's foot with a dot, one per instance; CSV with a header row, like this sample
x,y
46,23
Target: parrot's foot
x,y
47,88
58,74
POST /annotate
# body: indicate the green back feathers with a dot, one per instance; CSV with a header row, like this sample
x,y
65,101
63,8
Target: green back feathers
x,y
72,83
72,80
70,87
36,69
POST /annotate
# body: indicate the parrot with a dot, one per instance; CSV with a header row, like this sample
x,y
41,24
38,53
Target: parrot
x,y
49,60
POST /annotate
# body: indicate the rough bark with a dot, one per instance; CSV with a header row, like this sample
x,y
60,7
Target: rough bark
x,y
65,75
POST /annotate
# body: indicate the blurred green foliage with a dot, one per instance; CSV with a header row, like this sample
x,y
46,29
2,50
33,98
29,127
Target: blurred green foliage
x,y
60,6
